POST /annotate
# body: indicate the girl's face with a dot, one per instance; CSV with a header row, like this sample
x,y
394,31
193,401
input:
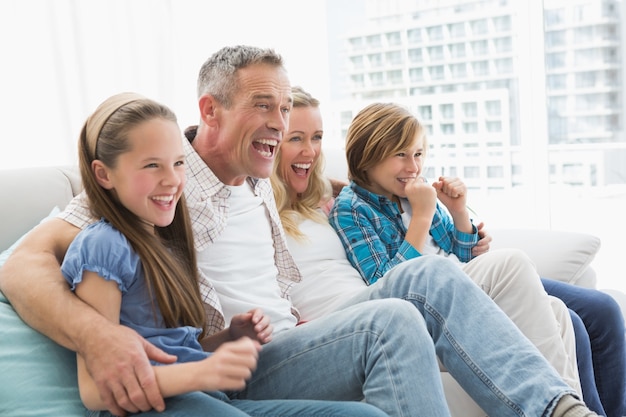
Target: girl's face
x,y
301,148
149,178
389,176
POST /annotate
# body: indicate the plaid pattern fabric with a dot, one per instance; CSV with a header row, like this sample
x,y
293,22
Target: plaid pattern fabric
x,y
371,229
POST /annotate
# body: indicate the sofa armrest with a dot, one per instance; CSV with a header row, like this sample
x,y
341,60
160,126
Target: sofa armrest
x,y
564,256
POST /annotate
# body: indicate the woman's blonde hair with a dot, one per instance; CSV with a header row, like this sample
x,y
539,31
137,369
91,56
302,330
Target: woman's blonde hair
x,y
378,131
168,256
318,189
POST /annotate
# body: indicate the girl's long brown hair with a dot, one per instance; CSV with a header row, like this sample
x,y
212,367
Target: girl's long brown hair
x,y
168,256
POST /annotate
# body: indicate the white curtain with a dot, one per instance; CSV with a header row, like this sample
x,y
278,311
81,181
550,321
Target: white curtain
x,y
61,58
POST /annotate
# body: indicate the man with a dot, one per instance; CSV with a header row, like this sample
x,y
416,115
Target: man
x,y
380,350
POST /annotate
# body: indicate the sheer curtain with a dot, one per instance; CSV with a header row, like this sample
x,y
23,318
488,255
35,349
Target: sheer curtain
x,y
61,58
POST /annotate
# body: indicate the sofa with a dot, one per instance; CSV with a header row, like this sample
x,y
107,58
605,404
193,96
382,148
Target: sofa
x,y
37,377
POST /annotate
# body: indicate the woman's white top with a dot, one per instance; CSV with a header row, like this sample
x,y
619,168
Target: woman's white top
x,y
328,278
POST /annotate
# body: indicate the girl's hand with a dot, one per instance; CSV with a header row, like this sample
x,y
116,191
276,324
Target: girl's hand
x,y
422,198
230,366
452,193
253,324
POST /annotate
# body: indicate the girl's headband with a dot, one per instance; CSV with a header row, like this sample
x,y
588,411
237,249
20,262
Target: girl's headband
x,y
96,121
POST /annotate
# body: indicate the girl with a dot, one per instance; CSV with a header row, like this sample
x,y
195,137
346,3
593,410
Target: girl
x,y
328,279
137,266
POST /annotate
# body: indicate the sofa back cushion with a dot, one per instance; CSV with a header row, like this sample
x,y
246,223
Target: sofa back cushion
x,y
29,194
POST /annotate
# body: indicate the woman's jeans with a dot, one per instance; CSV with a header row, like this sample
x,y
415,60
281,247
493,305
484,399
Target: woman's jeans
x,y
383,350
600,344
217,404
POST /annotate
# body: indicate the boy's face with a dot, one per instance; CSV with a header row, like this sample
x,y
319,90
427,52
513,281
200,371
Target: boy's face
x,y
389,176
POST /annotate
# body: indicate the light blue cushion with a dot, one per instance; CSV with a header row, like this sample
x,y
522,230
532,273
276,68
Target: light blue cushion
x,y
37,376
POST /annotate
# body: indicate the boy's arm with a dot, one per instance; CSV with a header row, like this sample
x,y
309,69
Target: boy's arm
x,y
31,279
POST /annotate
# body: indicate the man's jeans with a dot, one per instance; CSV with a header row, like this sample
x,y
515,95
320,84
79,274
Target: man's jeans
x,y
378,349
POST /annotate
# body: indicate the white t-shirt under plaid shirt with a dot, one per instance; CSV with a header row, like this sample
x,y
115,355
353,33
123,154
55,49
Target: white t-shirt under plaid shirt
x,y
208,202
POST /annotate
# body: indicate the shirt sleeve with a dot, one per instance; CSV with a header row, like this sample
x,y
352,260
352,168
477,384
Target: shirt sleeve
x,y
449,238
364,248
101,249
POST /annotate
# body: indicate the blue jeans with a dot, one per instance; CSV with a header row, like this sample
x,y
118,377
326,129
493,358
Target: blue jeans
x,y
603,331
383,350
217,404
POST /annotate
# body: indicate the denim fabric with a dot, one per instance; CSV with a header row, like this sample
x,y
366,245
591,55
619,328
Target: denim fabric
x,y
379,350
217,404
585,365
604,326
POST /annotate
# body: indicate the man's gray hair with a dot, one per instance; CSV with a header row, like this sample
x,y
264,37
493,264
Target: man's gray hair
x,y
218,74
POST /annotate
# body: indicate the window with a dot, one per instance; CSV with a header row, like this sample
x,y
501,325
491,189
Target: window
x,y
394,57
374,41
425,112
480,48
436,72
415,55
457,50
480,68
479,27
375,60
493,107
458,70
357,62
456,30
447,128
416,75
435,33
414,35
393,38
447,111
435,53
470,110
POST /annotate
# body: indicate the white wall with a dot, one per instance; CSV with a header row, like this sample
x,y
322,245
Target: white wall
x,y
60,58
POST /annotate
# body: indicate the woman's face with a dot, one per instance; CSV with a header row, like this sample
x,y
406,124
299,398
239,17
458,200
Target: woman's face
x,y
390,175
300,149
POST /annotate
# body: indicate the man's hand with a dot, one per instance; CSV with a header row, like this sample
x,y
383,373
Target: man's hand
x,y
484,239
118,362
253,324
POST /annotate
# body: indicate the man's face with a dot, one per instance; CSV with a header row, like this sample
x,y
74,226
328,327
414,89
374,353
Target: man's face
x,y
251,130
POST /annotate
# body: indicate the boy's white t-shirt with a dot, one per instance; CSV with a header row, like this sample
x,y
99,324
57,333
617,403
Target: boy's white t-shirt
x,y
246,278
430,247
